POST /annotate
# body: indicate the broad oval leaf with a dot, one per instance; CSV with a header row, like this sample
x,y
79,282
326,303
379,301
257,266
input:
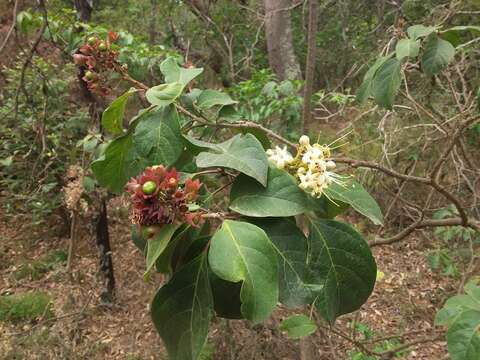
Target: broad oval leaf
x,y
463,336
175,73
418,31
437,55
353,193
243,153
164,94
407,48
118,164
453,34
158,138
280,197
241,251
182,309
460,303
342,259
298,326
365,90
292,251
112,117
210,98
386,82
157,244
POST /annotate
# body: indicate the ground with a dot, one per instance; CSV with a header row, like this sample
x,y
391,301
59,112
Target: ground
x,y
404,302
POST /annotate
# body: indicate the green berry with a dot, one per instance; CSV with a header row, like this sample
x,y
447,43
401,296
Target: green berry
x,y
92,40
102,46
89,75
149,187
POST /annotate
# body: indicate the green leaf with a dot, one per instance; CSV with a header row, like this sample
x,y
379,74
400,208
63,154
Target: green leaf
x,y
407,48
280,197
118,164
353,193
158,137
342,259
293,269
8,161
174,73
327,208
456,29
24,21
240,251
138,239
298,326
259,134
416,32
210,98
455,306
112,117
437,55
365,90
459,303
157,244
226,297
182,309
386,82
165,94
88,184
463,336
243,153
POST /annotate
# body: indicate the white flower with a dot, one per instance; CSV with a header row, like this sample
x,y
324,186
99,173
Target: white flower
x,y
280,156
313,154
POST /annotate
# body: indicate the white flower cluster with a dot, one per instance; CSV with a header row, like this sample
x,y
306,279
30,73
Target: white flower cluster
x,y
280,156
314,171
311,165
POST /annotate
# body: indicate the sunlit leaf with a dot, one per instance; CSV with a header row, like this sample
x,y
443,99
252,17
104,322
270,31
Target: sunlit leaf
x,y
298,326
240,251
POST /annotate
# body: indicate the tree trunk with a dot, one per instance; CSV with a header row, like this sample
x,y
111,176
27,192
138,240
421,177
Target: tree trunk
x,y
106,263
153,22
310,66
278,31
84,9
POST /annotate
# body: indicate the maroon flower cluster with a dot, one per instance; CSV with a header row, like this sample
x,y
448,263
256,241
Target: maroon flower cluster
x,y
158,199
97,56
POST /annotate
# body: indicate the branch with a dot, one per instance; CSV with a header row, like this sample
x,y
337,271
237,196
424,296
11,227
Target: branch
x,y
32,51
372,165
456,221
10,31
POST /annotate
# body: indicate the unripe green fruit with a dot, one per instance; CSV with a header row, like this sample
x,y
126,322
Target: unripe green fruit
x,y
92,40
149,187
89,75
102,46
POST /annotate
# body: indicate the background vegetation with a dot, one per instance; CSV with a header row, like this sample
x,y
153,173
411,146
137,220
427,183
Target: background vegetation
x,y
423,125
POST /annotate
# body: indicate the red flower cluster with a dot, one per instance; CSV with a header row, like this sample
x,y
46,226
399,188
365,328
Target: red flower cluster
x,y
157,198
97,56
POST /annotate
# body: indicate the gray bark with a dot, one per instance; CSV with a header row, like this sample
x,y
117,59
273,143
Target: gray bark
x,y
278,30
84,9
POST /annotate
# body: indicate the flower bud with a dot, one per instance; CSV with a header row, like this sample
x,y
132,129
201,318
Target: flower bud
x,y
331,165
304,140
